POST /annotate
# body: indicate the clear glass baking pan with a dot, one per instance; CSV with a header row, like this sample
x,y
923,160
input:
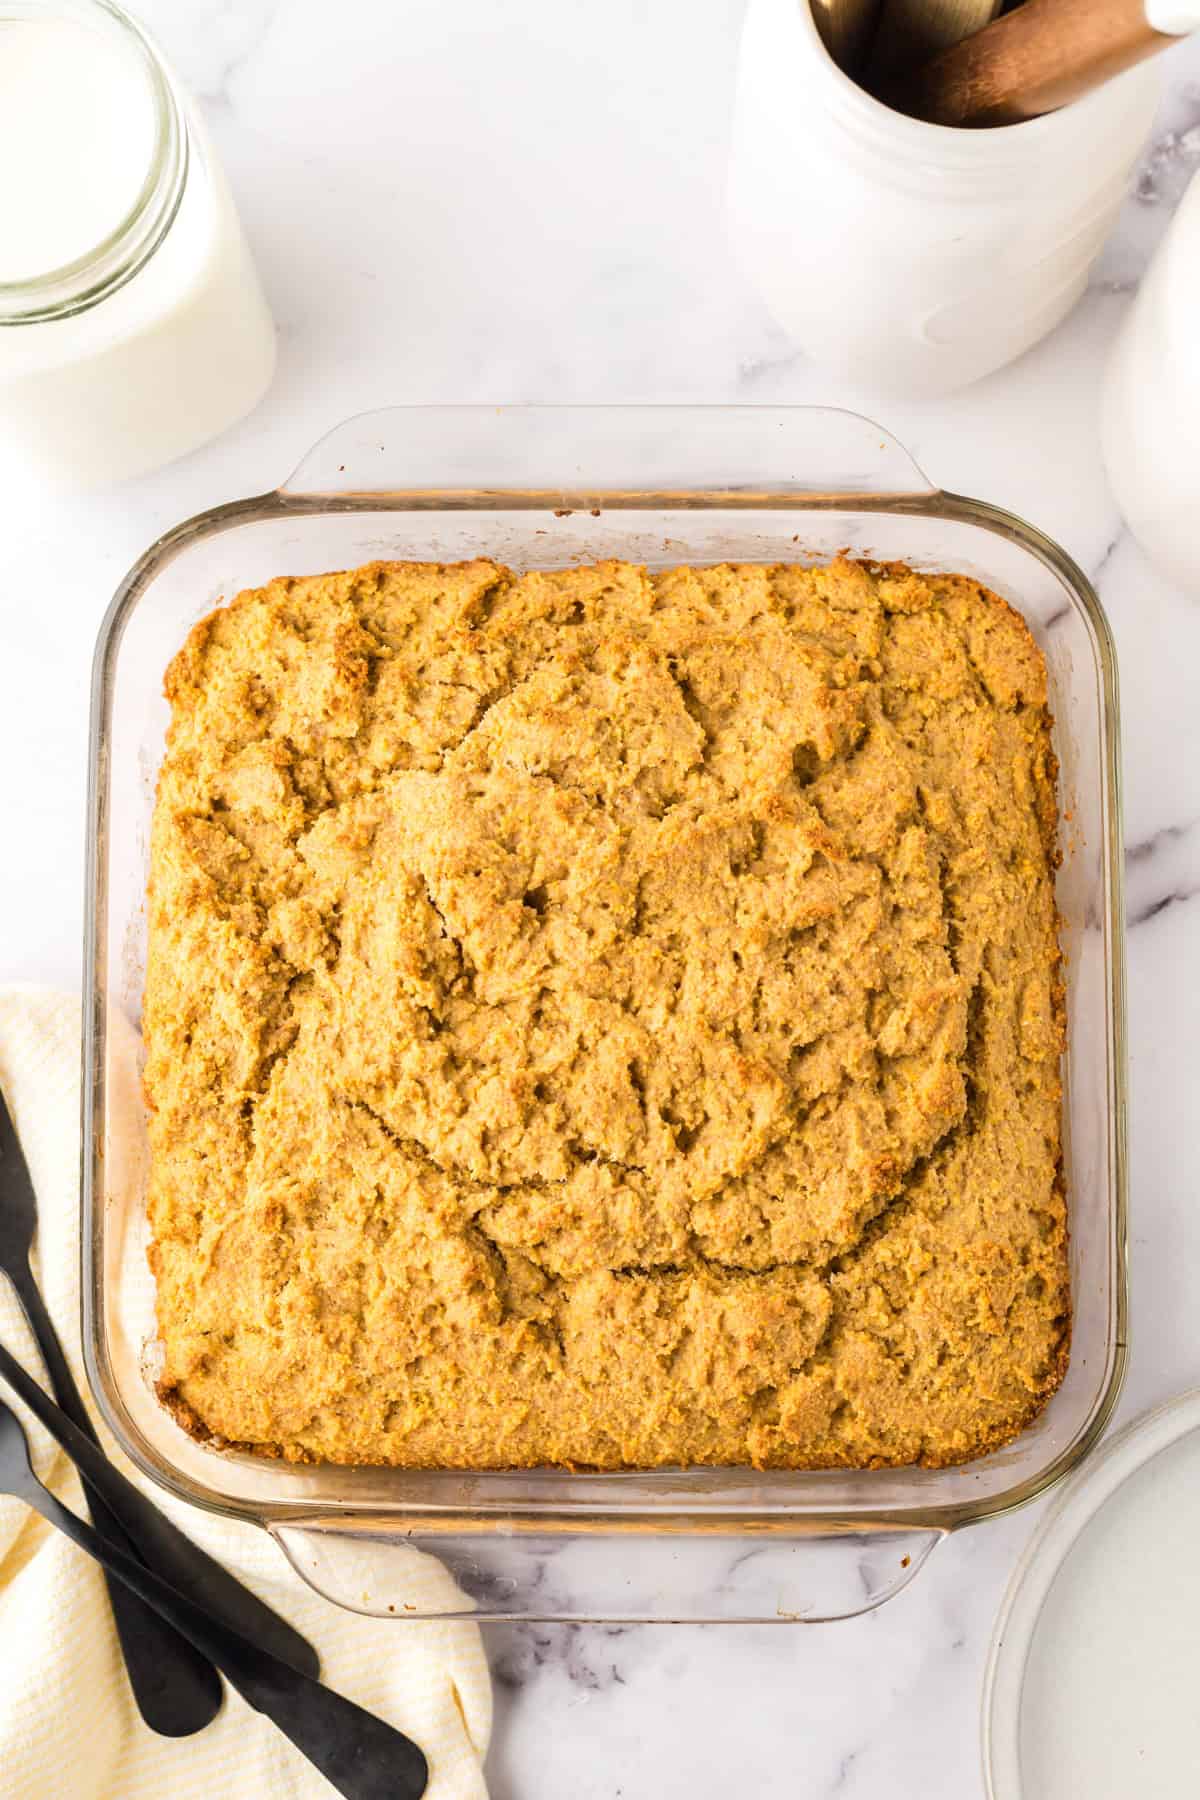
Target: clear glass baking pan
x,y
546,487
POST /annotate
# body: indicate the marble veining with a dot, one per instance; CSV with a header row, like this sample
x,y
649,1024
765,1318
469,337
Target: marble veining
x,y
525,203
1162,870
587,1655
1169,160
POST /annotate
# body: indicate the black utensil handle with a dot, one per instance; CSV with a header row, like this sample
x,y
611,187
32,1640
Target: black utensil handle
x,y
364,1758
48,1342
177,1690
153,1537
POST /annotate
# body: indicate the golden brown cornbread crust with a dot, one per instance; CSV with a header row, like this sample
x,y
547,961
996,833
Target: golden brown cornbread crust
x,y
608,1018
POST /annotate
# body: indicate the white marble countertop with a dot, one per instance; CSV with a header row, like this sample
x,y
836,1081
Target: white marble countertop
x,y
523,203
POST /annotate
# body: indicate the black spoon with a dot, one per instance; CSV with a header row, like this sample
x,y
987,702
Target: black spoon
x,y
362,1757
175,1695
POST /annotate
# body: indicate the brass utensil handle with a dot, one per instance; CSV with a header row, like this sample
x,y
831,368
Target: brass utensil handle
x,y
912,31
845,27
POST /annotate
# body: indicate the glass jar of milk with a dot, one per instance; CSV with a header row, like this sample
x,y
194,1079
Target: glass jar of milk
x,y
132,323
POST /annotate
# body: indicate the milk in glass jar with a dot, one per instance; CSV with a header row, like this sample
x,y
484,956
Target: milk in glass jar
x,y
132,323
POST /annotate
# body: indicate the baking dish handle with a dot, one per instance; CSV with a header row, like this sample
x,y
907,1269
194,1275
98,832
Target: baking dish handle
x,y
626,1572
630,455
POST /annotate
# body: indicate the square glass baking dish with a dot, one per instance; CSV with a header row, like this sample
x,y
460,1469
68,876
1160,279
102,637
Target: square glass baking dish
x,y
547,487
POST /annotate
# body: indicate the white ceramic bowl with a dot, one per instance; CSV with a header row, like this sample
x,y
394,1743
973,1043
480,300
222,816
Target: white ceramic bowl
x,y
1094,1669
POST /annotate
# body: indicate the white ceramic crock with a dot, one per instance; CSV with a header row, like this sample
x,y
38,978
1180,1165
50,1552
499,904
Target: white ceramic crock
x,y
909,256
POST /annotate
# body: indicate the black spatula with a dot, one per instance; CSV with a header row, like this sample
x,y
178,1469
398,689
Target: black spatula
x,y
363,1758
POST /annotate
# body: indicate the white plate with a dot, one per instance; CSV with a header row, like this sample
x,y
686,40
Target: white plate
x,y
1093,1681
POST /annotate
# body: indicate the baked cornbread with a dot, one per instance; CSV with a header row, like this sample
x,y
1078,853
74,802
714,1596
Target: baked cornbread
x,y
607,1018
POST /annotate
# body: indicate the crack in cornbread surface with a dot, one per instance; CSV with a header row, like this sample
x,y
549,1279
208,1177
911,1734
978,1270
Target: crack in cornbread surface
x,y
607,1018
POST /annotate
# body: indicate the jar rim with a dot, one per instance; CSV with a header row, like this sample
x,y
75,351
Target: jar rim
x,y
96,273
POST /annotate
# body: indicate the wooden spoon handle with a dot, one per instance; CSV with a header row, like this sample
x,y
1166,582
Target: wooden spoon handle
x,y
1033,60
